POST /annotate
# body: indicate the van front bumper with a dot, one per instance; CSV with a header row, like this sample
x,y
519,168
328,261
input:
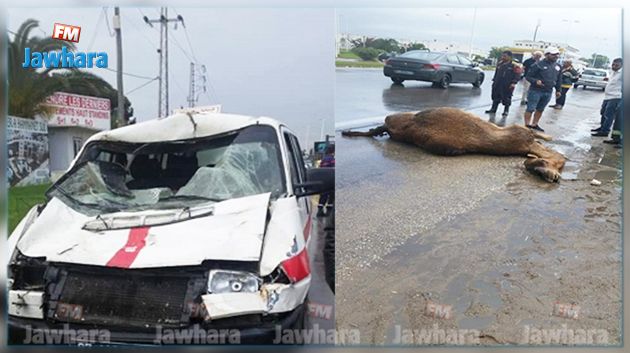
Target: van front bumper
x,y
266,331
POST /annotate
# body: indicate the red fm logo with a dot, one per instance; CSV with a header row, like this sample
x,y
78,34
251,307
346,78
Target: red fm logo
x,y
67,33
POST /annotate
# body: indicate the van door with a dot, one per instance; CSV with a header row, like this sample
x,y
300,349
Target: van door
x,y
296,166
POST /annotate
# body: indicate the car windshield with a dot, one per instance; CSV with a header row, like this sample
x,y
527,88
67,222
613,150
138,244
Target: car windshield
x,y
594,73
119,176
416,54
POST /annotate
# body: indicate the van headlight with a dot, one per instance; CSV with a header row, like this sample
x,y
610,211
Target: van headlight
x,y
220,281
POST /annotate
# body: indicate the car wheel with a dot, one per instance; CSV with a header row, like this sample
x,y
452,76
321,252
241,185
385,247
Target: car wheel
x,y
576,86
604,89
397,80
478,82
444,81
584,87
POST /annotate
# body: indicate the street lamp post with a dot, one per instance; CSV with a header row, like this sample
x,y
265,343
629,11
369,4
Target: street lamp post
x,y
536,30
566,37
472,34
450,31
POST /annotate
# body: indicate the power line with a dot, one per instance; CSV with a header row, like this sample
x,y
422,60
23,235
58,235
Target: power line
x,y
181,48
143,85
194,59
130,21
98,25
129,74
109,30
192,51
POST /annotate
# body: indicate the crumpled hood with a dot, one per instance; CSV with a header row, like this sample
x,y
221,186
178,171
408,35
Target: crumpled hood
x,y
234,231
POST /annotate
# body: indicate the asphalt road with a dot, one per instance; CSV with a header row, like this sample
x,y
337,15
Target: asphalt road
x,y
362,94
475,232
321,300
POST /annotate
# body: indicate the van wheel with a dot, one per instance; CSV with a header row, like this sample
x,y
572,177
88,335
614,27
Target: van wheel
x,y
445,81
397,80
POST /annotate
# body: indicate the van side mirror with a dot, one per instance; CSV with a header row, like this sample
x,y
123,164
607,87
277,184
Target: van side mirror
x,y
318,181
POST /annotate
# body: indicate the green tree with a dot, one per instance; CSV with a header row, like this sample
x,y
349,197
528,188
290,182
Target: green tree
x,y
478,58
599,61
387,45
361,42
29,87
417,46
383,44
588,61
366,54
495,52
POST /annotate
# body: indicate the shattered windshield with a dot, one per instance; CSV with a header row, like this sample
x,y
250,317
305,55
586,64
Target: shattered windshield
x,y
119,176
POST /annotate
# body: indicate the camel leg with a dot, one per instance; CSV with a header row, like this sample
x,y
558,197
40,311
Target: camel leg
x,y
377,131
544,162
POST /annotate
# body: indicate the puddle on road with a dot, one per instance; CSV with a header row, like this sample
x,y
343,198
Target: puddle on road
x,y
611,159
570,171
608,175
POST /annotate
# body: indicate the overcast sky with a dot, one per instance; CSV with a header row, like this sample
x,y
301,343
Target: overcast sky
x,y
597,30
273,62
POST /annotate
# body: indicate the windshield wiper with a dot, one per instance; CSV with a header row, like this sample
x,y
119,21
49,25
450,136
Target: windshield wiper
x,y
190,197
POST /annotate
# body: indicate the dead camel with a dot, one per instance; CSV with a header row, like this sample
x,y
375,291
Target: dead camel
x,y
451,131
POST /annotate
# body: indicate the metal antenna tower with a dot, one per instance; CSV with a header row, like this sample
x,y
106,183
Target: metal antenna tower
x,y
197,82
163,109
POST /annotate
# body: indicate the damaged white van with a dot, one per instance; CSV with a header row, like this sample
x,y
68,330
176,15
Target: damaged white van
x,y
196,220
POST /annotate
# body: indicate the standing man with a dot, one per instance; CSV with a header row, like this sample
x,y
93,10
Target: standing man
x,y
505,78
569,75
526,65
543,76
611,107
327,200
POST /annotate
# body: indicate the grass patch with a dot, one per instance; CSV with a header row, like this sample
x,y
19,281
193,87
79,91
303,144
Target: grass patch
x,y
348,55
22,199
488,68
363,64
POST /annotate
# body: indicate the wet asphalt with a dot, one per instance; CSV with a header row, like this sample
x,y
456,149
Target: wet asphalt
x,y
412,226
320,301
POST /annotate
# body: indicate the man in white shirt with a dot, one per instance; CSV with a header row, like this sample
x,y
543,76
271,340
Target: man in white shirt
x,y
611,107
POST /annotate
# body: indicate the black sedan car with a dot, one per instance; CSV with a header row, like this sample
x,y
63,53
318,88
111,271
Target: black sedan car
x,y
440,68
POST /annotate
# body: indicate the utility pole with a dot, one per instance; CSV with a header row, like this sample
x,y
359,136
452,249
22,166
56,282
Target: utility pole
x,y
163,109
536,30
120,110
321,135
197,81
191,88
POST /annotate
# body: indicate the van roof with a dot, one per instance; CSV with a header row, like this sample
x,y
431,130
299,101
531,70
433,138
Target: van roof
x,y
182,126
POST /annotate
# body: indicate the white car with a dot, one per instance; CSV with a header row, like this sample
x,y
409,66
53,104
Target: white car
x,y
592,78
196,219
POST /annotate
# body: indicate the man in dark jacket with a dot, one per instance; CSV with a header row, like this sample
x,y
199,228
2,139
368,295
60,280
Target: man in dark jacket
x,y
536,56
327,200
505,78
543,76
569,75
